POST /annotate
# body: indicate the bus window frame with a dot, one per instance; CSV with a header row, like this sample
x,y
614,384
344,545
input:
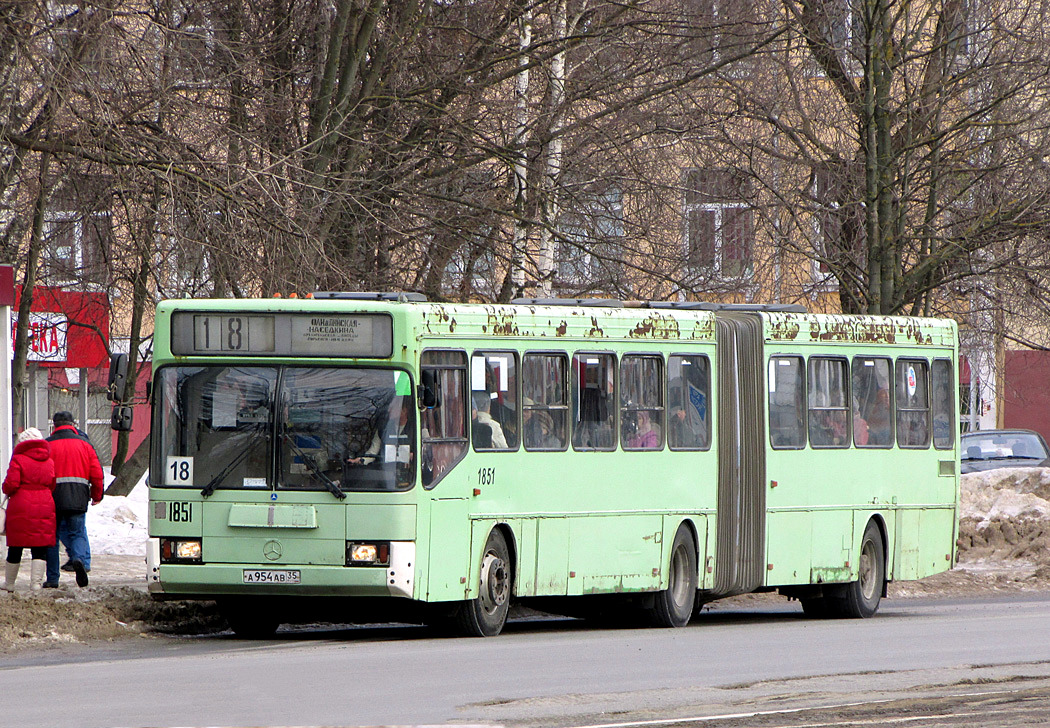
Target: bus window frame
x,y
566,407
891,392
707,393
952,399
613,396
661,383
517,395
846,408
804,424
897,409
465,440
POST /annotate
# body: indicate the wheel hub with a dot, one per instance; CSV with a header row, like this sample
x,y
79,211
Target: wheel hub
x,y
495,582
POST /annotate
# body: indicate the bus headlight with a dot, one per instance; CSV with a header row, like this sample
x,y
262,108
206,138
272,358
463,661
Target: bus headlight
x,y
180,551
370,553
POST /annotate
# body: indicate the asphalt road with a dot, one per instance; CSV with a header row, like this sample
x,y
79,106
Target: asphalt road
x,y
919,662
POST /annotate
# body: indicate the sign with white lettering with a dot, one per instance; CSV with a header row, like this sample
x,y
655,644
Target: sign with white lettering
x,y
365,334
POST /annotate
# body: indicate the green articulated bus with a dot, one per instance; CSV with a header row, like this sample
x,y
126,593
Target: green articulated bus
x,y
358,457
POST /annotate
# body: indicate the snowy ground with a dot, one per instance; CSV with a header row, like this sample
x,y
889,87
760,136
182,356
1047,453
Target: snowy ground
x,y
119,524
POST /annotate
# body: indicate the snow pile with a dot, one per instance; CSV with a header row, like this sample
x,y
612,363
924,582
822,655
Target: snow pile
x,y
1005,519
119,524
1006,494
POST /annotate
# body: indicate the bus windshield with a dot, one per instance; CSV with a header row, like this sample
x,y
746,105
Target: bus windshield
x,y
303,428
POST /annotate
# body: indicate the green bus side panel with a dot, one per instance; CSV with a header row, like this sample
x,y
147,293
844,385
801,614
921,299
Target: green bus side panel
x,y
615,553
923,542
552,557
393,522
525,575
906,552
235,533
449,558
833,545
788,541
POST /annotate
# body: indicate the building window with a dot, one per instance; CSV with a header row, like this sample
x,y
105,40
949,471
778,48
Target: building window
x,y
827,226
725,27
194,45
719,223
77,229
590,234
472,270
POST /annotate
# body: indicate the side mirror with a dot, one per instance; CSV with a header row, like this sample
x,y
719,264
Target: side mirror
x,y
429,394
121,418
118,375
149,391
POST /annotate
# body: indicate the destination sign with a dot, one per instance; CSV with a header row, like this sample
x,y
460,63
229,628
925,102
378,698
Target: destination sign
x,y
282,334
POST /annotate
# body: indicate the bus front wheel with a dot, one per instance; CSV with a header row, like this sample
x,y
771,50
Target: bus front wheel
x,y
674,605
485,615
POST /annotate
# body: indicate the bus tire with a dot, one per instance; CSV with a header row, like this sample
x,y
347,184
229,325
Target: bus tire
x,y
485,615
673,606
860,599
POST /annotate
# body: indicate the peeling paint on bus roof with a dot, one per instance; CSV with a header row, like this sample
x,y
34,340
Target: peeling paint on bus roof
x,y
529,320
656,326
854,329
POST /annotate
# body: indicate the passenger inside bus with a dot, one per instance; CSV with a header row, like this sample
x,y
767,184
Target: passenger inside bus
x,y
481,420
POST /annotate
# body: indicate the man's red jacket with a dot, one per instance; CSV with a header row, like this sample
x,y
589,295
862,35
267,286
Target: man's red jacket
x,y
78,473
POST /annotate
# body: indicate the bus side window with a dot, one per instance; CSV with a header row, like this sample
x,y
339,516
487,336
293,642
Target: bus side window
x,y
872,402
444,426
641,403
545,402
787,402
494,400
688,394
943,405
913,403
829,420
593,402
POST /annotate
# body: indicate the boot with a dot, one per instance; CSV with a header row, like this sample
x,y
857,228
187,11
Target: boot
x,y
37,569
10,574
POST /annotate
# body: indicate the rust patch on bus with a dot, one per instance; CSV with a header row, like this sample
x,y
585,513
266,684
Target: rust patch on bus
x,y
500,323
596,331
656,327
858,330
562,329
438,320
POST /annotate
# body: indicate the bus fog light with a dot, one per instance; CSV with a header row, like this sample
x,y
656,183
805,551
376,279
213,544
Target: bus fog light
x,y
367,554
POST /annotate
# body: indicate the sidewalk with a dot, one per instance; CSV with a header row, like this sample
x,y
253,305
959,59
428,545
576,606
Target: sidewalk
x,y
112,570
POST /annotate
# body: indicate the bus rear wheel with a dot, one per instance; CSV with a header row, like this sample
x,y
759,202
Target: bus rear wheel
x,y
860,599
485,615
673,606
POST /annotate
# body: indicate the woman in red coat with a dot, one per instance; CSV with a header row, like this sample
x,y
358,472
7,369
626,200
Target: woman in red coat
x,y
30,506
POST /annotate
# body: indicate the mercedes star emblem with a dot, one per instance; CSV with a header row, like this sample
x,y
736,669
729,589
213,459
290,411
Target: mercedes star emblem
x,y
272,550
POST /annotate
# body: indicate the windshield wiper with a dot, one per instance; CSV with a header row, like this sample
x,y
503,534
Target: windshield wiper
x,y
214,482
221,476
312,466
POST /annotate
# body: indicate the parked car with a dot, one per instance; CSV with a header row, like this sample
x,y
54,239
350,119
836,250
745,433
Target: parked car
x,y
990,449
